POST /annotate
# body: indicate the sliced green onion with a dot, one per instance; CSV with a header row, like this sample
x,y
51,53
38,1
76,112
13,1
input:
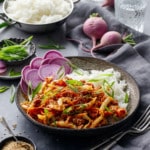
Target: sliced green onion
x,y
3,89
51,45
126,98
13,93
61,72
74,82
36,90
12,73
67,110
107,86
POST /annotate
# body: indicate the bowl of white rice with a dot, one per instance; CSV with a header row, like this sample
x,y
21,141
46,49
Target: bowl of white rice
x,y
37,16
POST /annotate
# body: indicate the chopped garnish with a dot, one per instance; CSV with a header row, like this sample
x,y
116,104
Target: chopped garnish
x,y
12,73
3,89
108,88
51,45
13,92
126,99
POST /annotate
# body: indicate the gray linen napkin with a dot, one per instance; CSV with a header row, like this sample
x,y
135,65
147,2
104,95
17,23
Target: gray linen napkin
x,y
135,60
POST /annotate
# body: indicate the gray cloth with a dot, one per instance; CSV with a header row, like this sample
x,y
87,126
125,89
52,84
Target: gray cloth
x,y
135,60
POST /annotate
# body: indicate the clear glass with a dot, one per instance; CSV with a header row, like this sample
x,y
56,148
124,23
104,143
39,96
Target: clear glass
x,y
131,13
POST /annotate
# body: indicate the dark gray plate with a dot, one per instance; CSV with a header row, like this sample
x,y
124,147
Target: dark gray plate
x,y
89,63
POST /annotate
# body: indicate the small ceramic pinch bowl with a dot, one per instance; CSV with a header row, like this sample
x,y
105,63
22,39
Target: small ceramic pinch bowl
x,y
23,142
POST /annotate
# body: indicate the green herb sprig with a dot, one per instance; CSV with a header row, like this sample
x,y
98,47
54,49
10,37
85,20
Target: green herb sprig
x,y
107,87
129,39
13,93
32,92
3,88
4,24
13,73
51,45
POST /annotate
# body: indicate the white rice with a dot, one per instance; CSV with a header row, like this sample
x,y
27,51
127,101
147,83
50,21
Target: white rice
x,y
38,11
98,77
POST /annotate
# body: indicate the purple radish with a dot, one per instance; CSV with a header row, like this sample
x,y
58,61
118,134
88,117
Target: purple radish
x,y
2,64
62,62
109,3
46,61
52,54
48,70
110,37
33,77
3,67
3,70
24,71
23,86
36,62
95,27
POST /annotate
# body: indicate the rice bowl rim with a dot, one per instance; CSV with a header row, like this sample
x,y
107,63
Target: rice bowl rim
x,y
39,24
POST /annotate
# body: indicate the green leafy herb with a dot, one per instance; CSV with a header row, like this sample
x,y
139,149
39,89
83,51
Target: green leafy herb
x,y
101,77
81,106
46,111
36,90
51,45
12,73
61,72
13,92
129,39
73,88
74,82
4,24
26,41
3,89
94,80
79,71
106,108
8,42
94,15
67,110
126,99
32,92
54,121
14,52
29,91
108,88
